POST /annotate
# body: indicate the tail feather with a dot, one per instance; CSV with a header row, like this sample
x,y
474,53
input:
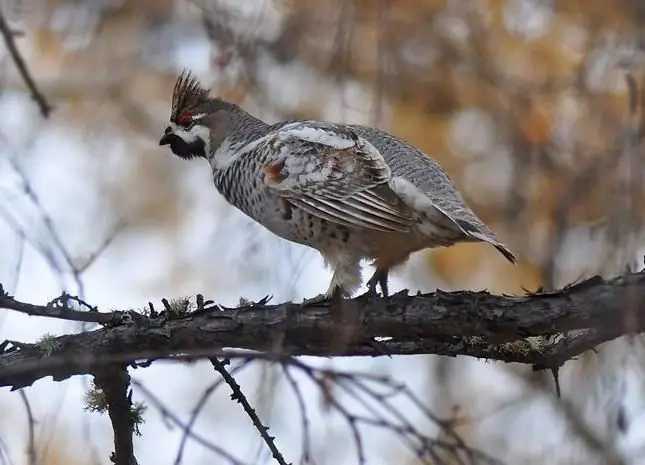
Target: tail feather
x,y
504,251
471,231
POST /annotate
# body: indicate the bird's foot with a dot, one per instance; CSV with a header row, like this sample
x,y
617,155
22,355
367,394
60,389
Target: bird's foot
x,y
319,299
334,295
379,278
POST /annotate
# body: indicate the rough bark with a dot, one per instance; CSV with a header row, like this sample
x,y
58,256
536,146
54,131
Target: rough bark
x,y
478,324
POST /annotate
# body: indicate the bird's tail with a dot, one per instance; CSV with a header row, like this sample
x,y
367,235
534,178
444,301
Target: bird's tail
x,y
505,251
488,237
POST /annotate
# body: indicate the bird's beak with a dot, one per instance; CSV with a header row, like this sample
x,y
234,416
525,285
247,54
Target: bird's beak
x,y
165,139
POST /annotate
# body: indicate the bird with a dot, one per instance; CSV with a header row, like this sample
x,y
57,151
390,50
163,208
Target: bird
x,y
350,191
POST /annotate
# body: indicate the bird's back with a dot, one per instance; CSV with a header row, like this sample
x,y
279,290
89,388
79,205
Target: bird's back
x,y
416,167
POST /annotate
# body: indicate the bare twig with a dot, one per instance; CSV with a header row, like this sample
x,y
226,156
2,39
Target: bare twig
x,y
239,396
374,401
31,447
576,422
9,40
5,458
168,414
99,250
51,229
352,419
306,439
114,383
59,308
20,255
199,406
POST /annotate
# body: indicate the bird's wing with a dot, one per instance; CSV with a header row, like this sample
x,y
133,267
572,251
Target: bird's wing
x,y
333,174
418,174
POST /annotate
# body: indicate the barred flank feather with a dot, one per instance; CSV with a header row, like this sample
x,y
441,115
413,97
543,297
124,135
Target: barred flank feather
x,y
187,93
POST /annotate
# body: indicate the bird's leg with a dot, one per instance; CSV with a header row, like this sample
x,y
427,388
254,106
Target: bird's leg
x,y
346,278
378,278
332,295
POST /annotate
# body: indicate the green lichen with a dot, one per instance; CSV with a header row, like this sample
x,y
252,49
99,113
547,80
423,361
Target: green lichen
x,y
474,340
244,302
136,411
523,347
47,345
95,400
179,306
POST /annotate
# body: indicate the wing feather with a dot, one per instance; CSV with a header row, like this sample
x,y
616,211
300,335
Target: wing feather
x,y
336,212
391,206
331,173
358,205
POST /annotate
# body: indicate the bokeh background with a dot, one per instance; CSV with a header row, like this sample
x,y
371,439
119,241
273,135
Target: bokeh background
x,y
532,106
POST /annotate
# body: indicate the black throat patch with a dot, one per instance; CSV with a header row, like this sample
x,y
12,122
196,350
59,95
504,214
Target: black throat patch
x,y
185,150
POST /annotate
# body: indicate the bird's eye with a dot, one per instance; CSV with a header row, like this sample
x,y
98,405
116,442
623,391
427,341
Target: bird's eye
x,y
185,120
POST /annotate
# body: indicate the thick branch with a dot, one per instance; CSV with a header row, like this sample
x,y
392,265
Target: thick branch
x,y
459,323
114,382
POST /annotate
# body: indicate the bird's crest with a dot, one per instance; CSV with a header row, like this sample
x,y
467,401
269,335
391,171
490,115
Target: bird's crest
x,y
187,94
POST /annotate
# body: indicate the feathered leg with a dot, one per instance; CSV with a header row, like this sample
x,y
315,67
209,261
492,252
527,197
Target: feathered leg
x,y
344,282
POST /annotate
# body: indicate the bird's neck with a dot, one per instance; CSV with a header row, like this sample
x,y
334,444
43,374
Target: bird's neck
x,y
244,128
235,167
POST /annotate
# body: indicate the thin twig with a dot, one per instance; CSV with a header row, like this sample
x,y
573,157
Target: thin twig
x,y
9,40
55,310
199,406
31,448
20,255
5,458
602,447
100,249
239,396
306,440
169,415
48,221
381,412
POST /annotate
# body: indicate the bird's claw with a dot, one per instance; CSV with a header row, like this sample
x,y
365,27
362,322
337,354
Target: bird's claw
x,y
330,297
379,278
319,299
371,288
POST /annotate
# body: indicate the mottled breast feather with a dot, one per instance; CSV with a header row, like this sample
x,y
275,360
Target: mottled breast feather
x,y
330,172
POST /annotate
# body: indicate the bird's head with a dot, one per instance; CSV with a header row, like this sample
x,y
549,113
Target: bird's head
x,y
198,122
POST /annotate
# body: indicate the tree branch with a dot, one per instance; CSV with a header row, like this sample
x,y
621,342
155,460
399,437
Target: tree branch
x,y
61,308
31,448
239,396
8,35
478,324
113,382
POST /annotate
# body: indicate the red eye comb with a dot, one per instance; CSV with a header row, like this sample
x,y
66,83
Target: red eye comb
x,y
185,118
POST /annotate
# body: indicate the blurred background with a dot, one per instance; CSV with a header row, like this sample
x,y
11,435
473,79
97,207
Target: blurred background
x,y
534,108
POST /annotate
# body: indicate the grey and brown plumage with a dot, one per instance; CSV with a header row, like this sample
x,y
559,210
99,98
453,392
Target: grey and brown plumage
x,y
349,191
